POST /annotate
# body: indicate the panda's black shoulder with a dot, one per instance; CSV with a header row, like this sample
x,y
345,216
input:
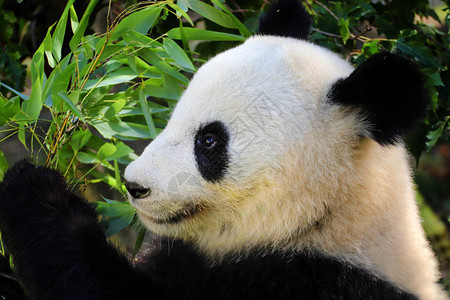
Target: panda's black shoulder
x,y
304,275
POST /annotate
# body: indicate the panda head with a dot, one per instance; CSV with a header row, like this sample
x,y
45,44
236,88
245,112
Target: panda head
x,y
266,140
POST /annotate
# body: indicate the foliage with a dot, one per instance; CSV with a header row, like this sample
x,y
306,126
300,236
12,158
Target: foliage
x,y
98,94
11,69
358,29
122,85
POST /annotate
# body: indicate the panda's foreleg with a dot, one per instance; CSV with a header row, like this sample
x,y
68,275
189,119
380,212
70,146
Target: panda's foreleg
x,y
58,247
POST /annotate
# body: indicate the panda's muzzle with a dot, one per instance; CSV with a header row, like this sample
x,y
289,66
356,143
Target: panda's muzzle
x,y
183,214
136,190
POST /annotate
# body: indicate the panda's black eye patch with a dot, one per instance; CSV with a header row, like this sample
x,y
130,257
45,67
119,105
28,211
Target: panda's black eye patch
x,y
211,150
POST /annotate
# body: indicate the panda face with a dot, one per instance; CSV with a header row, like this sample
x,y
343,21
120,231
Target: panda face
x,y
235,139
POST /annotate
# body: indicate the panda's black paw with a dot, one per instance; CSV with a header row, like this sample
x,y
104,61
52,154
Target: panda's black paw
x,y
25,179
34,198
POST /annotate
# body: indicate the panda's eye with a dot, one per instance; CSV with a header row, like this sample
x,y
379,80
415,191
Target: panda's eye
x,y
211,150
209,141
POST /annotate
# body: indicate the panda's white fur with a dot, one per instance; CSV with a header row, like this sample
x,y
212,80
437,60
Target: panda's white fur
x,y
300,175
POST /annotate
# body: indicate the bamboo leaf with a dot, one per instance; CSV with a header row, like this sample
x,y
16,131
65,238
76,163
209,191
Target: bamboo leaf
x,y
181,12
82,26
21,134
106,151
8,108
177,54
211,13
60,31
70,105
157,61
73,19
33,106
123,130
418,51
141,21
79,139
344,29
58,79
115,108
122,75
48,49
146,111
241,27
119,215
22,96
203,35
3,165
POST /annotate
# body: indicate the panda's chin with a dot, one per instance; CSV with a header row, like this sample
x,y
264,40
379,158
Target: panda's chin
x,y
179,216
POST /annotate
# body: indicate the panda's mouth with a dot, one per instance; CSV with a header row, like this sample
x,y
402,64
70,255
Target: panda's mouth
x,y
185,213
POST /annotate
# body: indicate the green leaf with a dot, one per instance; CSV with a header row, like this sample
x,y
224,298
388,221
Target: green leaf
x,y
132,36
177,54
344,29
9,109
73,19
87,157
82,26
141,21
157,61
139,240
37,62
434,77
109,50
121,151
113,208
146,111
3,165
58,79
48,48
58,35
241,27
172,86
33,106
433,136
109,151
203,35
183,5
181,12
370,48
118,215
106,151
185,42
21,134
211,13
118,223
418,51
122,75
79,139
22,96
115,108
142,68
70,105
160,92
122,130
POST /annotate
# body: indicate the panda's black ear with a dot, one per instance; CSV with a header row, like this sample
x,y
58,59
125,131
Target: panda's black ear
x,y
389,91
287,18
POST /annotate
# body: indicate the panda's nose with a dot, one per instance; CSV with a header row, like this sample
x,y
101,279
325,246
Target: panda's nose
x,y
136,190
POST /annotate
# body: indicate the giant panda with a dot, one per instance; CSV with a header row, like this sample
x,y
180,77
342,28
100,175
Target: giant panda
x,y
282,173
